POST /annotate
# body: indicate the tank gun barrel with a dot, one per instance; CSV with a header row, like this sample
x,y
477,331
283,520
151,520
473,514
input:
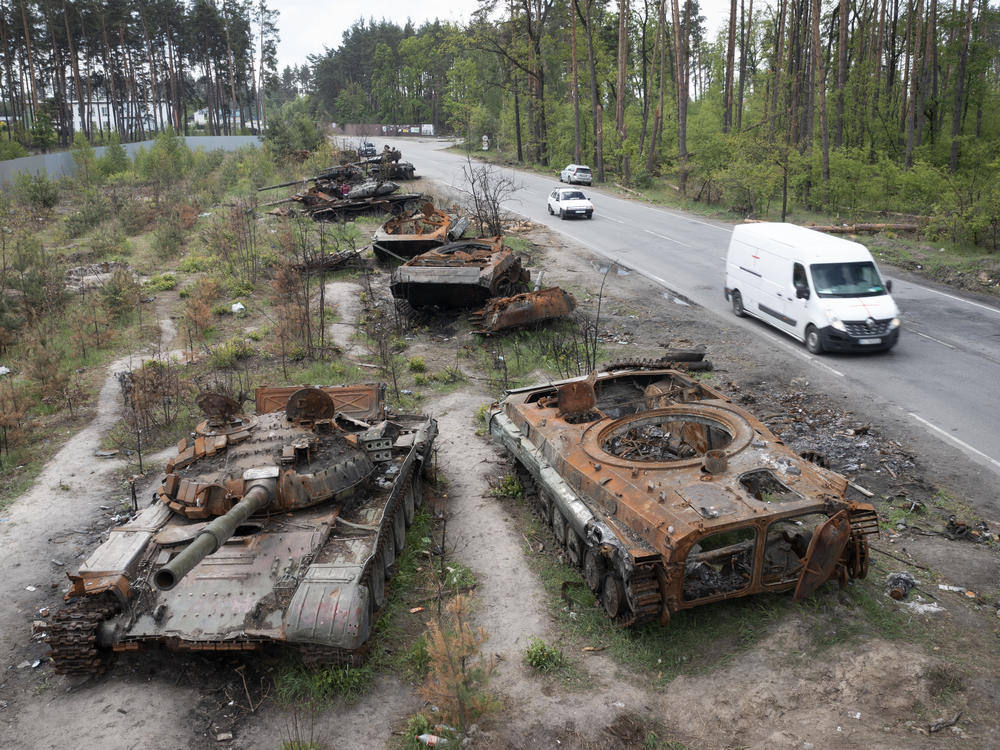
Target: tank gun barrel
x,y
215,534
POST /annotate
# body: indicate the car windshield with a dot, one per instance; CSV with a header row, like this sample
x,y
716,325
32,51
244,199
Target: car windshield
x,y
582,170
858,279
573,195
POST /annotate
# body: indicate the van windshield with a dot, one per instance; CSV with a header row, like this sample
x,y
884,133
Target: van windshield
x,y
858,279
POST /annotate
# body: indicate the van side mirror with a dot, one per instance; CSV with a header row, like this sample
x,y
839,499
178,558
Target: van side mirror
x,y
888,285
802,292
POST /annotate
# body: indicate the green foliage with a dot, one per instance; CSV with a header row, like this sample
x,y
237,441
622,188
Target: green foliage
x,y
170,234
92,211
115,159
36,190
133,216
482,419
416,364
166,161
85,158
542,657
508,486
194,263
120,294
43,135
226,355
310,687
11,150
290,132
161,282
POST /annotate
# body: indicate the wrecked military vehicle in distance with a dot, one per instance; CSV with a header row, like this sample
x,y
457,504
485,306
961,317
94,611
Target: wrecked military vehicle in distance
x,y
667,496
276,528
465,273
525,309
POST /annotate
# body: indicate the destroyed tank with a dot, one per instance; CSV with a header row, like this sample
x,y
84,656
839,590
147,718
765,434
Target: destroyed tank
x,y
465,273
404,237
667,496
276,528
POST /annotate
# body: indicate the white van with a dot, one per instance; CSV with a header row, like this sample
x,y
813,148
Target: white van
x,y
823,290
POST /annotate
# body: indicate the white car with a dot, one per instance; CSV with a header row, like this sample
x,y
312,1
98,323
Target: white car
x,y
569,202
576,173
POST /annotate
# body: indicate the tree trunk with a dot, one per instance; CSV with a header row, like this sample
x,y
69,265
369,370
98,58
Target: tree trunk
x,y
623,6
575,91
821,90
661,36
779,54
681,75
745,41
956,117
30,59
838,133
727,89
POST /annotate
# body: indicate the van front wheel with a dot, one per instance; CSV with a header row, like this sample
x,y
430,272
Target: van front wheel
x,y
737,301
813,341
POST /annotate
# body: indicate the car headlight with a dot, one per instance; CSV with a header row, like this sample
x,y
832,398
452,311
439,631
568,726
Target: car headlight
x,y
894,323
837,324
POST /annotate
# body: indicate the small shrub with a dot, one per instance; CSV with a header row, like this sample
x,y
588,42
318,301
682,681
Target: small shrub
x,y
161,282
36,190
509,486
417,364
221,309
482,419
543,658
226,355
194,263
11,150
133,216
121,293
259,334
421,379
168,237
92,211
109,241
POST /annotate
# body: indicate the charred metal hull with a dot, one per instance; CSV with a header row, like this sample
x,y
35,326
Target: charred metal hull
x,y
410,235
668,496
523,309
304,565
459,274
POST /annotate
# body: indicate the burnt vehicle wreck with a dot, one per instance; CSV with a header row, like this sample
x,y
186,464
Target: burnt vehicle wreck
x,y
524,309
409,235
275,528
465,273
667,496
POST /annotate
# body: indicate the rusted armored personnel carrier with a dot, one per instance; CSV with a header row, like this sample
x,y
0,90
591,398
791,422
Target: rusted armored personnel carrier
x,y
668,496
525,309
281,527
404,237
465,273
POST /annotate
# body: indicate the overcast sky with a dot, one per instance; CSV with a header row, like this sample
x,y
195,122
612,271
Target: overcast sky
x,y
308,26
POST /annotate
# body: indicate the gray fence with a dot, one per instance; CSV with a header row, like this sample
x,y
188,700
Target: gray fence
x,y
57,165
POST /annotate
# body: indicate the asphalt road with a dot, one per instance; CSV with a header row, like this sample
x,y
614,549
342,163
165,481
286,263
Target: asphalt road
x,y
944,374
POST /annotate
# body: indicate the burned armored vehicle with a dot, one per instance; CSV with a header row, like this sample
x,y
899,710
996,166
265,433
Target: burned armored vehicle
x,y
668,496
406,236
524,309
465,273
279,527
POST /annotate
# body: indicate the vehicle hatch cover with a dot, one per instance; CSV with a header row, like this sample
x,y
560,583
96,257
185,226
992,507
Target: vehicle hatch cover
x,y
825,549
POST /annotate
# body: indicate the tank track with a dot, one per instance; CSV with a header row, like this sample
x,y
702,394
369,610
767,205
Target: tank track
x,y
653,364
413,315
72,634
643,588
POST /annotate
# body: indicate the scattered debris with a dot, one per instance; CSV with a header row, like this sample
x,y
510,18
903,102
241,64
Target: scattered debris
x,y
898,585
940,724
407,236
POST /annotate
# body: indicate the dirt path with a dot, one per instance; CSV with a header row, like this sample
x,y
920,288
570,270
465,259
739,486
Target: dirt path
x,y
346,295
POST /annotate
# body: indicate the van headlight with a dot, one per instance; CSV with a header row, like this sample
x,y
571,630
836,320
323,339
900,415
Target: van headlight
x,y
894,323
837,324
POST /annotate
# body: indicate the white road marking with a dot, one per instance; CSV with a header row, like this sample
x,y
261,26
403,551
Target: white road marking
x,y
665,237
951,438
616,221
936,341
959,299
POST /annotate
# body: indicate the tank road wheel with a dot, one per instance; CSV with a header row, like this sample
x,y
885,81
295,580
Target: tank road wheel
x,y
399,530
418,491
737,299
574,547
613,596
409,503
376,581
558,526
388,554
593,569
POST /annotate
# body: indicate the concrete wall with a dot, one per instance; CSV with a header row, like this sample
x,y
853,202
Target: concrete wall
x,y
57,165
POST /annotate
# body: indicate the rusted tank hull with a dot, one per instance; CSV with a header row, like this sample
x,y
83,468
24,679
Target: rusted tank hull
x,y
668,496
523,309
407,236
460,274
304,564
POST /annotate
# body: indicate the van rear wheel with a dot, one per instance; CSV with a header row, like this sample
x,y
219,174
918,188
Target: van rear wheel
x,y
813,341
737,301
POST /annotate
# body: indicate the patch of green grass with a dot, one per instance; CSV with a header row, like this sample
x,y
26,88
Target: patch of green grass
x,y
161,282
305,686
482,419
227,354
337,372
542,657
508,486
416,364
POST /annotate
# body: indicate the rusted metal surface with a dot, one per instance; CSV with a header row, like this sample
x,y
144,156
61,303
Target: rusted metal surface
x,y
523,309
465,273
278,526
668,496
410,235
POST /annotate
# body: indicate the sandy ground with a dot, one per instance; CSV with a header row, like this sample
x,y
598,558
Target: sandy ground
x,y
774,695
